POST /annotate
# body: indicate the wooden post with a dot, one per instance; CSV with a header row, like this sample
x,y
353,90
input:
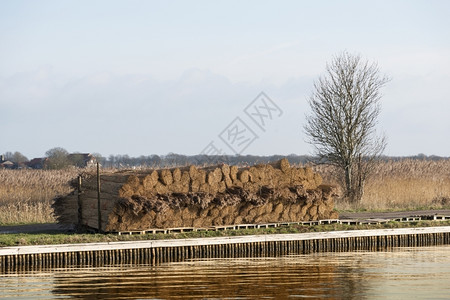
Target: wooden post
x,y
80,203
98,199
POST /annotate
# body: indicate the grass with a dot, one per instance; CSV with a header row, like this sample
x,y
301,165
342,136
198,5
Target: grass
x,y
26,195
22,239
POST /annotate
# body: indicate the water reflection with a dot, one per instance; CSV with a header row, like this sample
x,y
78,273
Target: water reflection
x,y
401,273
269,277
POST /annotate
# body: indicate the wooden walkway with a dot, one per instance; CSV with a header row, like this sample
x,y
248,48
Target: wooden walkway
x,y
355,221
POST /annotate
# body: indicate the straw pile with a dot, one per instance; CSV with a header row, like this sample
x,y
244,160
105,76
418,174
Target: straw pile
x,y
201,197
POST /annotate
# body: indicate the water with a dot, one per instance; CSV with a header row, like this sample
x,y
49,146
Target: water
x,y
401,273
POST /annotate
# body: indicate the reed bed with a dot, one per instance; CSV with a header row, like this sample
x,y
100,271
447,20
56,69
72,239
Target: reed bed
x,y
405,184
26,195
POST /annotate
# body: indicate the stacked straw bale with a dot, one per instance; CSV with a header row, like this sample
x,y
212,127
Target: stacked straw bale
x,y
201,197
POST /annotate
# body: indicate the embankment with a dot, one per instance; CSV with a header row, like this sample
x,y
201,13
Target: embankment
x,y
160,251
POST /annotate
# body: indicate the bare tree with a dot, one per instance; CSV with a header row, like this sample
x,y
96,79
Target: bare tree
x,y
57,158
345,105
15,157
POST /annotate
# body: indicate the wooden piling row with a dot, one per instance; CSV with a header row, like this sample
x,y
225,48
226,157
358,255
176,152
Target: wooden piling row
x,y
158,255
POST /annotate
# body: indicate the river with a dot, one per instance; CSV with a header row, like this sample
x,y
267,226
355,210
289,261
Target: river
x,y
398,273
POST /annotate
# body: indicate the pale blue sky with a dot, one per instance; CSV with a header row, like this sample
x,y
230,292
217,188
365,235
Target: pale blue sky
x,y
144,77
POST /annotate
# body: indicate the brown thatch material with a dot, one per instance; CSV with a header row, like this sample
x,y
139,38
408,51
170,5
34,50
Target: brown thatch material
x,y
192,196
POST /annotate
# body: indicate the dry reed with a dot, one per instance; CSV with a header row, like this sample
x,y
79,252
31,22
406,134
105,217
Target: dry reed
x,y
26,195
406,184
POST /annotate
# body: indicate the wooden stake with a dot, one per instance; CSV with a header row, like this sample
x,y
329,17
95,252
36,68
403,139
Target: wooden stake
x,y
98,199
80,204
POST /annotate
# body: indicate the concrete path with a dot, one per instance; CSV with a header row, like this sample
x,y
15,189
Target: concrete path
x,y
217,240
36,228
391,215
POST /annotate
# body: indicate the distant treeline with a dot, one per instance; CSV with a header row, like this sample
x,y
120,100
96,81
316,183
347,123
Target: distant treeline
x,y
173,160
59,158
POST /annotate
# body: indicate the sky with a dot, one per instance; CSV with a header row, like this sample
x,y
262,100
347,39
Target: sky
x,y
232,77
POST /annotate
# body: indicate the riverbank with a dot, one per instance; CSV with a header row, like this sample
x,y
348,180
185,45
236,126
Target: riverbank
x,y
161,251
54,237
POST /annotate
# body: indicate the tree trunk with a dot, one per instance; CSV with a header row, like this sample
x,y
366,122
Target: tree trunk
x,y
349,182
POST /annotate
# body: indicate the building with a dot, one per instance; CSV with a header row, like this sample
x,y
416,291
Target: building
x,y
82,160
6,164
37,163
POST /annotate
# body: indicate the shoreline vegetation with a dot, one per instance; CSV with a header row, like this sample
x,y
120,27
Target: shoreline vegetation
x,y
26,196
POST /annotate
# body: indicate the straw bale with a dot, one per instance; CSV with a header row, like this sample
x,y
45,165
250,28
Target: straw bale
x,y
222,187
305,208
133,181
228,181
312,211
214,176
126,191
228,220
282,165
213,188
161,188
204,212
268,207
233,173
295,176
334,215
185,178
177,187
150,180
285,213
198,223
260,210
238,184
252,213
254,175
293,215
295,208
244,176
278,208
225,170
244,209
201,176
193,171
194,186
176,174
322,209
217,221
225,211
214,212
218,175
166,177
309,174
258,220
204,188
318,179
251,187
